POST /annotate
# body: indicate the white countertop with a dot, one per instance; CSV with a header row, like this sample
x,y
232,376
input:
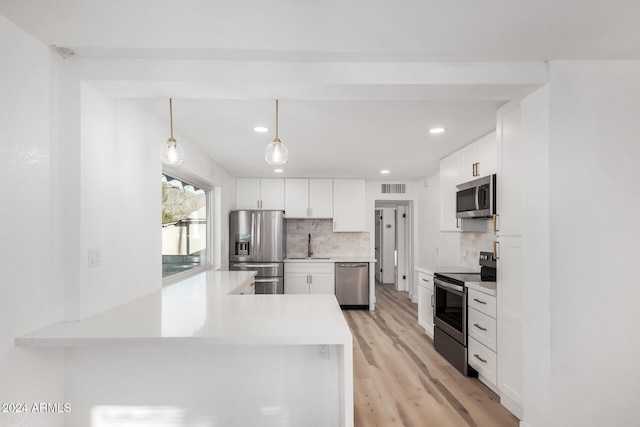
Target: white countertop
x,y
490,288
424,270
330,259
199,310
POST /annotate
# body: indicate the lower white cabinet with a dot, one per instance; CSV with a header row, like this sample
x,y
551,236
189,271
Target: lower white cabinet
x,y
482,333
425,302
309,278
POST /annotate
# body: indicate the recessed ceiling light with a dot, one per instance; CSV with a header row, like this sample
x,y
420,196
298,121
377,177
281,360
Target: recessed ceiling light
x,y
260,129
278,170
384,171
436,130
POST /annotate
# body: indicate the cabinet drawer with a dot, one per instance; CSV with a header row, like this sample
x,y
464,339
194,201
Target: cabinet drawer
x,y
425,280
309,267
482,328
482,360
482,302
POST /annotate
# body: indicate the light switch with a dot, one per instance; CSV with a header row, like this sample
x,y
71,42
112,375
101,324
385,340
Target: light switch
x,y
94,257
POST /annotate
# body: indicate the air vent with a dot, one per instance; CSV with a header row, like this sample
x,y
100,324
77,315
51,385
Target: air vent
x,y
394,188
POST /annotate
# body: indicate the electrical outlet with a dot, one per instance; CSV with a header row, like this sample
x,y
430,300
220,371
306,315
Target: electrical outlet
x,y
324,352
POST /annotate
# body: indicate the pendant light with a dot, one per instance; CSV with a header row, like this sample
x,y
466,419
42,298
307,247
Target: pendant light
x,y
170,152
276,152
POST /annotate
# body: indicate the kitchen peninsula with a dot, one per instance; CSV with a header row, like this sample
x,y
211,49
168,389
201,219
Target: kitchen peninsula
x,y
199,352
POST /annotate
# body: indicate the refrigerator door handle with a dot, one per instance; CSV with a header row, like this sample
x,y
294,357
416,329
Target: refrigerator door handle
x,y
257,265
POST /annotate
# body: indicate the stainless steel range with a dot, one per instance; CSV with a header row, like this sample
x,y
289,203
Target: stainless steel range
x,y
450,311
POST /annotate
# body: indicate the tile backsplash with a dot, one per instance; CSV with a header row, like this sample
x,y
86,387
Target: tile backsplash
x,y
324,242
471,244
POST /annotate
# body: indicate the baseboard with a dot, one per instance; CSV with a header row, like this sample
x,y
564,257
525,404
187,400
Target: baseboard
x,y
512,406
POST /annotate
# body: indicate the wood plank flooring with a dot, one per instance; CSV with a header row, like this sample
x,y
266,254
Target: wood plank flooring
x,y
401,380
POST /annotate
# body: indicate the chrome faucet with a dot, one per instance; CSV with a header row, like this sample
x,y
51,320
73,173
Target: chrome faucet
x,y
309,250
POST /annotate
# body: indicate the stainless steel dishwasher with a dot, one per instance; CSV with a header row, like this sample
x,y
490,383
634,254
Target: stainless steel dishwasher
x,y
352,284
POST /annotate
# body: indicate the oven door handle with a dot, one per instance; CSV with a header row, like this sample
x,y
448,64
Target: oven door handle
x,y
449,286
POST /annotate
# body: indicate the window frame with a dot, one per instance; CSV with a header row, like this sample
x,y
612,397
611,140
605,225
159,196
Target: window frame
x,y
210,190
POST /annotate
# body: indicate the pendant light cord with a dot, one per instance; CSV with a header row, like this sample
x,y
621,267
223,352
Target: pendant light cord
x,y
171,116
276,119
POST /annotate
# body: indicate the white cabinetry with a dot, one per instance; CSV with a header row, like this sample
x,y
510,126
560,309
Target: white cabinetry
x,y
450,176
425,302
348,205
309,278
308,198
482,345
256,193
508,253
476,160
487,155
480,158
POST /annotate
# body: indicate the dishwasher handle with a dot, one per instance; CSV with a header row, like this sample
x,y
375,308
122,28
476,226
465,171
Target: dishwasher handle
x,y
354,264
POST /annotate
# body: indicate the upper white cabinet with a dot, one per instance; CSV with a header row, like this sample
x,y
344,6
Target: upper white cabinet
x,y
348,205
321,198
450,176
487,155
479,158
260,193
469,163
308,198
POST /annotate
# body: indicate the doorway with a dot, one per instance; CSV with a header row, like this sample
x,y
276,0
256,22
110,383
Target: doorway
x,y
394,243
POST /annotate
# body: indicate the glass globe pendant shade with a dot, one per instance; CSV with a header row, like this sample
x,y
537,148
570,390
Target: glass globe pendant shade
x,y
276,153
171,153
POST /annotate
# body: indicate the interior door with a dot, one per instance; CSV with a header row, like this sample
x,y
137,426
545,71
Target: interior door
x,y
378,243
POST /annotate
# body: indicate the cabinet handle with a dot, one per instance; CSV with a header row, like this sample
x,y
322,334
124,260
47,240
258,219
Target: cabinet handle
x,y
477,356
425,280
457,222
495,223
479,301
432,304
495,250
479,327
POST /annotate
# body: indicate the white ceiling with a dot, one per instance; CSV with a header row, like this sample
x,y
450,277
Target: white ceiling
x,y
332,129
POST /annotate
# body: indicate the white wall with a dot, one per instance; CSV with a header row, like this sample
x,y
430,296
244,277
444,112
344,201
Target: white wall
x,y
593,238
120,199
31,285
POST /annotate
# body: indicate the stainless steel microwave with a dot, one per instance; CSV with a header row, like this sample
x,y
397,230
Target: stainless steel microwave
x,y
477,198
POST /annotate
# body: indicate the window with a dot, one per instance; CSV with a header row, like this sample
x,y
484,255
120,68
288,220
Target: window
x,y
185,223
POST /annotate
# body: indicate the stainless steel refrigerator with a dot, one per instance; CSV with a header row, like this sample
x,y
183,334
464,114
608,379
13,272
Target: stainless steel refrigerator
x,y
257,243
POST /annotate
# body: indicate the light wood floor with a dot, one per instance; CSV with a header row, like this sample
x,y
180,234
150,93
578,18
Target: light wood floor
x,y
400,379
